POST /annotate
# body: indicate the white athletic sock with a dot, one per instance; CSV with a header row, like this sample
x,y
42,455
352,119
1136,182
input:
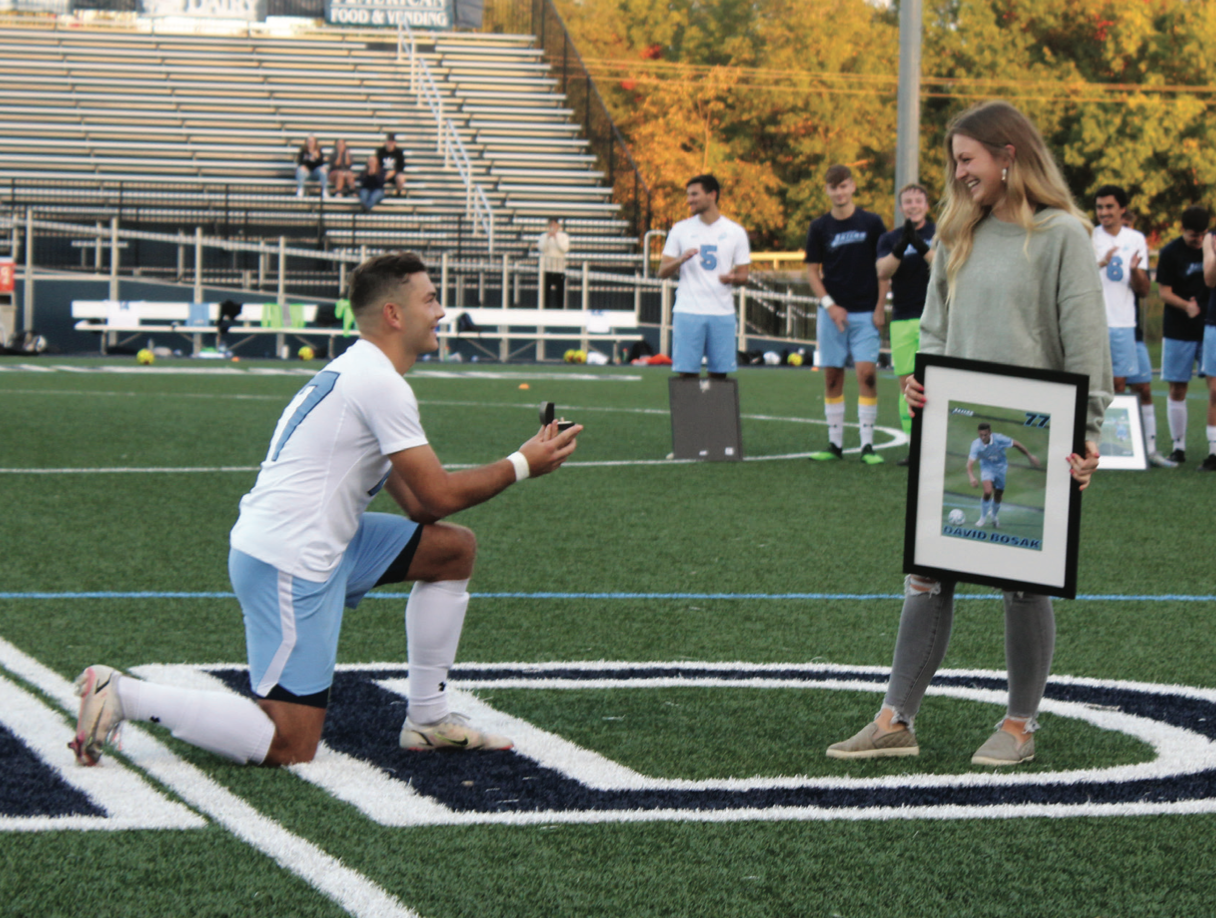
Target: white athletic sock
x,y
434,617
1149,418
1211,440
866,416
984,505
834,412
225,724
1175,413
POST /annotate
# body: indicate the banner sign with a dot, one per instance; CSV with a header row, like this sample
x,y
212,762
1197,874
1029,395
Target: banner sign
x,y
8,276
247,10
418,14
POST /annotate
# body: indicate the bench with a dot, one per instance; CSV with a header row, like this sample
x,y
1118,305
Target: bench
x,y
122,321
536,326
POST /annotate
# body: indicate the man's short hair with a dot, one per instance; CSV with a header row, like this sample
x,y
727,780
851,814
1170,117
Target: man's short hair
x,y
1113,191
984,425
912,187
1196,219
378,278
707,182
837,174
390,136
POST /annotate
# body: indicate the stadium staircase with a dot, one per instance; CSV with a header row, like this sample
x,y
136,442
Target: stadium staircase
x,y
199,130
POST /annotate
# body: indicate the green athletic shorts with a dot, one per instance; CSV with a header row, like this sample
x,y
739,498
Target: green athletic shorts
x,y
905,341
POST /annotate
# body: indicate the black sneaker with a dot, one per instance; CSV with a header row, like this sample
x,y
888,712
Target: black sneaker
x,y
1178,455
831,454
1209,464
905,461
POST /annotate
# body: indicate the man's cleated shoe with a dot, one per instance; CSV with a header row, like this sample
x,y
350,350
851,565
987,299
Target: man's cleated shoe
x,y
1160,461
1209,464
996,521
869,457
1178,455
452,733
982,522
1003,749
867,744
904,462
101,714
830,454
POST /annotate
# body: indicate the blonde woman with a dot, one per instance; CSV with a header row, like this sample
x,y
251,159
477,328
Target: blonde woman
x,y
1013,282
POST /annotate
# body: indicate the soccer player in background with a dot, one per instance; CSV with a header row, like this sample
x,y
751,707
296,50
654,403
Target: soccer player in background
x,y
1209,349
1180,283
1122,255
989,450
841,252
711,255
904,257
304,547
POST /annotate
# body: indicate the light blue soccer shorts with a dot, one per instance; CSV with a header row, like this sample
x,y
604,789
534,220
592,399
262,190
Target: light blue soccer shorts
x,y
694,336
1144,366
292,625
1209,350
860,338
995,474
1124,361
1179,359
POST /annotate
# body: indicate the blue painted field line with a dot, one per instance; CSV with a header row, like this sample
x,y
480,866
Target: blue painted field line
x,y
1089,597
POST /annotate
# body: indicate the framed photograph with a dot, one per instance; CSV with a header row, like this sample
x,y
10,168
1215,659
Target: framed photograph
x,y
991,498
1122,445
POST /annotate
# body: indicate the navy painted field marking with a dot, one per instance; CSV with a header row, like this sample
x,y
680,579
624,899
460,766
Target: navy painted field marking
x,y
831,597
548,779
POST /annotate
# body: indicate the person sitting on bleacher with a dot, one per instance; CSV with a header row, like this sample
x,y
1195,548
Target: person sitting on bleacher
x,y
341,169
310,163
371,183
392,159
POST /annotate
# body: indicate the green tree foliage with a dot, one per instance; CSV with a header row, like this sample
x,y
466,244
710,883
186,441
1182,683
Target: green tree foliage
x,y
768,94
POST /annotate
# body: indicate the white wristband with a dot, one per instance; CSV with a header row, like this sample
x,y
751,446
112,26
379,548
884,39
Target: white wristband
x,y
520,462
826,301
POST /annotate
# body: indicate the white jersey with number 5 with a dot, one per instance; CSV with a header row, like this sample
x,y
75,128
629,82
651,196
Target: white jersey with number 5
x,y
327,460
1117,275
722,245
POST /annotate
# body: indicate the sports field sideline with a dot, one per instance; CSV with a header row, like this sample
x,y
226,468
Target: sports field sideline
x,y
672,646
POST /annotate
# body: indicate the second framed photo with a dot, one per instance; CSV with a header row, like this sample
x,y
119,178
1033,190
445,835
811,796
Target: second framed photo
x,y
991,498
1122,445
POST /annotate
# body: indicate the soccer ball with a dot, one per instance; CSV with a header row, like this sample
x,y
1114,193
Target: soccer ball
x,y
576,357
956,517
307,353
144,357
795,360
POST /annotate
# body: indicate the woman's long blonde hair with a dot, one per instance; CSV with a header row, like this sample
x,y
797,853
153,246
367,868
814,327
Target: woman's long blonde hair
x,y
1033,179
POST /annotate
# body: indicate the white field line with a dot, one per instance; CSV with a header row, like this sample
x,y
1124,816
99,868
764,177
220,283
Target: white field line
x,y
351,890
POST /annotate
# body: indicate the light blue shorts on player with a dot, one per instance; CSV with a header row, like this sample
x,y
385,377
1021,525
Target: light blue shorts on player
x,y
694,336
1124,361
995,474
1180,359
1209,350
1144,366
860,338
292,625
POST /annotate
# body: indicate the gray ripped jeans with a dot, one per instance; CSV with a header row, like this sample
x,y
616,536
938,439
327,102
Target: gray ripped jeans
x,y
924,633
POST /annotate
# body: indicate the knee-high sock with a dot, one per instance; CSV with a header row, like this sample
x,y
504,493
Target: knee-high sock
x,y
833,410
1149,418
867,414
920,647
434,617
225,724
905,415
1175,413
1030,642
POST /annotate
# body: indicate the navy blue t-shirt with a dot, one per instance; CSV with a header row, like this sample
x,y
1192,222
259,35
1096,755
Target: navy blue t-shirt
x,y
1180,268
910,282
847,249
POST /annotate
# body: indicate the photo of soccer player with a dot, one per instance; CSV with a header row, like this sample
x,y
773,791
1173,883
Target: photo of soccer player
x,y
979,440
1123,443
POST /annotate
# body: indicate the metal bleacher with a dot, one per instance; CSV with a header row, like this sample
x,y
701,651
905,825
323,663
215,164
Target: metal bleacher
x,y
95,123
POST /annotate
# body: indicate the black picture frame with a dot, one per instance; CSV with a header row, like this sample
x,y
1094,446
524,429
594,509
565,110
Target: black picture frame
x,y
1034,548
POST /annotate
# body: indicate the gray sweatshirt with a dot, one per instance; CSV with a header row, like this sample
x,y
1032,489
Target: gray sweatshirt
x,y
1038,305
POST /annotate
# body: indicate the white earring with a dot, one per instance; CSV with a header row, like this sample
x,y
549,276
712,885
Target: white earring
x,y
1004,173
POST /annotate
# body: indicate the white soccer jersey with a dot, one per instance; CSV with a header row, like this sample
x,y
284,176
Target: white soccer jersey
x,y
327,460
1117,275
723,246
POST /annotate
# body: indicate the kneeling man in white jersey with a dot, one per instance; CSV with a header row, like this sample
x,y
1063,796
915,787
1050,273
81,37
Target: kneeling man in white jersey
x,y
304,548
